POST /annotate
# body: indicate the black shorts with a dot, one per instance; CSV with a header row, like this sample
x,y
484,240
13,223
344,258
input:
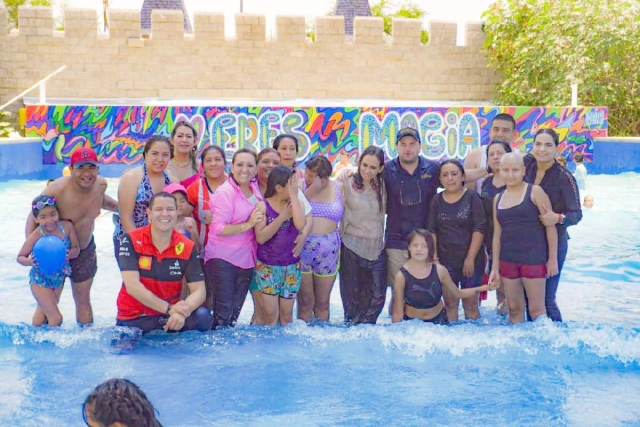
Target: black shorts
x,y
85,265
440,319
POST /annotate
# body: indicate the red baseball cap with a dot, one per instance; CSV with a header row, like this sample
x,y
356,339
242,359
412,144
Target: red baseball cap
x,y
82,156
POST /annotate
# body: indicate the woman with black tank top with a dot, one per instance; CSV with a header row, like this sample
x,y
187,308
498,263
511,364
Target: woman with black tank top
x,y
527,250
417,288
458,222
491,187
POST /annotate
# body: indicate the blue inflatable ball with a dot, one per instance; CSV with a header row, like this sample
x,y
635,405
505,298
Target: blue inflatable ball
x,y
50,253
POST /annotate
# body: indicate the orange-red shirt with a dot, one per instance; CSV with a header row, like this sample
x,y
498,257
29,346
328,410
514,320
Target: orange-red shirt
x,y
160,272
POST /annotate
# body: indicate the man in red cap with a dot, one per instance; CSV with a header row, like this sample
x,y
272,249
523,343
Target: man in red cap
x,y
80,197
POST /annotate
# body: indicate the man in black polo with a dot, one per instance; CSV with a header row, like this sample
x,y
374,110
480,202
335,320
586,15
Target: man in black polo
x,y
411,181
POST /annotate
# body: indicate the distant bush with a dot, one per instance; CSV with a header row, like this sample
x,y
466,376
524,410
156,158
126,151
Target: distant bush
x,y
540,46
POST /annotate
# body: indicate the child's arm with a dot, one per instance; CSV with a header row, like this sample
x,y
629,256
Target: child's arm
x,y
190,226
541,199
446,281
74,251
398,298
24,256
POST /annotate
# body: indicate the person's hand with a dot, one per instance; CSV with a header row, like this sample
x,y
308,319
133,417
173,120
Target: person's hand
x,y
34,262
292,187
549,217
299,244
494,277
552,268
344,174
492,286
207,217
468,267
256,216
175,322
181,307
190,226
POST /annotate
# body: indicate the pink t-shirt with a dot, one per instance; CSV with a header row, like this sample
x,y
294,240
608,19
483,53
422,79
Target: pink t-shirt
x,y
229,206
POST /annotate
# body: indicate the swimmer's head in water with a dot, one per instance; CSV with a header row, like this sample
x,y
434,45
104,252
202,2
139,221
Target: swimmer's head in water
x,y
119,401
512,169
588,202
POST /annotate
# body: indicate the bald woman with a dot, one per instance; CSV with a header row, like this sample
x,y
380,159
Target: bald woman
x,y
526,249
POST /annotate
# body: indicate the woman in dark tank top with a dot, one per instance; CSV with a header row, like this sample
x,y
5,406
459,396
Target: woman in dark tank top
x,y
417,288
525,251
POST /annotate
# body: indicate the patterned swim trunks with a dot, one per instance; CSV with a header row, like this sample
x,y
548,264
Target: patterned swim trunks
x,y
321,254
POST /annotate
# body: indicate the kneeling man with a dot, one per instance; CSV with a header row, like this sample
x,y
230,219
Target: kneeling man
x,y
154,260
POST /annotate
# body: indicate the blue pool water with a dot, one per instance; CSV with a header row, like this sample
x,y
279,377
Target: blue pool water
x,y
585,372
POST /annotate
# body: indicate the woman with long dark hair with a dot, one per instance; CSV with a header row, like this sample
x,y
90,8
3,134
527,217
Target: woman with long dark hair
x,y
363,272
557,182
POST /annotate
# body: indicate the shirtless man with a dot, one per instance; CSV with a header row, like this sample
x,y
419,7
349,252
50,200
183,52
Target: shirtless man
x,y
79,197
503,128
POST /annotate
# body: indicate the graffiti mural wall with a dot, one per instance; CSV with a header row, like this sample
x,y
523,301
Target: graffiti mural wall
x,y
118,133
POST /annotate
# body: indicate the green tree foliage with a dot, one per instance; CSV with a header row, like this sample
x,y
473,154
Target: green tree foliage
x,y
539,47
5,125
12,8
385,9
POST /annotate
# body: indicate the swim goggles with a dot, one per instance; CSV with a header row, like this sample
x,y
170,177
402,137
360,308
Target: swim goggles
x,y
41,204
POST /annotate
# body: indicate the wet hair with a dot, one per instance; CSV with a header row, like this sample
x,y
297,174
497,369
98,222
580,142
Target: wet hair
x,y
152,141
276,141
562,161
507,149
547,131
266,151
45,201
162,194
193,155
452,162
320,165
431,245
213,148
279,176
377,183
120,400
237,153
507,118
578,158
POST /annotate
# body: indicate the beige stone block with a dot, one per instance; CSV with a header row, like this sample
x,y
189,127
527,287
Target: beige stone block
x,y
443,33
26,12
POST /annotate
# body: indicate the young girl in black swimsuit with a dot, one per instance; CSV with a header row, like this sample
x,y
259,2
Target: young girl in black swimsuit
x,y
417,289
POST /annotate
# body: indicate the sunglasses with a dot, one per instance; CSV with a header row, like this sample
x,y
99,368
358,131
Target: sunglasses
x,y
411,194
51,201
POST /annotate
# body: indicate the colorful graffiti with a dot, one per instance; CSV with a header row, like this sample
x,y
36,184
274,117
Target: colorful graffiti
x,y
118,133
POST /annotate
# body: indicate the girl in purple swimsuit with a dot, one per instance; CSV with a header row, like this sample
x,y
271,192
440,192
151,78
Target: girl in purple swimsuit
x,y
277,274
321,252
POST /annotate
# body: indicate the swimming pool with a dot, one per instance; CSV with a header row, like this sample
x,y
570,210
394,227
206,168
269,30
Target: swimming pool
x,y
583,372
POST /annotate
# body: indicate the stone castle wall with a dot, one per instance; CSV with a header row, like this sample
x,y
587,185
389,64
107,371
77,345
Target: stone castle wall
x,y
205,65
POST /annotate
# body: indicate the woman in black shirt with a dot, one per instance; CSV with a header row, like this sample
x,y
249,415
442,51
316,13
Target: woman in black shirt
x,y
457,220
543,170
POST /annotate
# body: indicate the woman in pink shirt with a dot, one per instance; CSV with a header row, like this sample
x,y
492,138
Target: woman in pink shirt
x,y
230,253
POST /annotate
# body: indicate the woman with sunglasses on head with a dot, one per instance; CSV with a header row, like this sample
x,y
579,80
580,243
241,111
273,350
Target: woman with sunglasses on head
x,y
457,220
184,165
199,194
363,271
321,252
560,185
492,186
138,185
